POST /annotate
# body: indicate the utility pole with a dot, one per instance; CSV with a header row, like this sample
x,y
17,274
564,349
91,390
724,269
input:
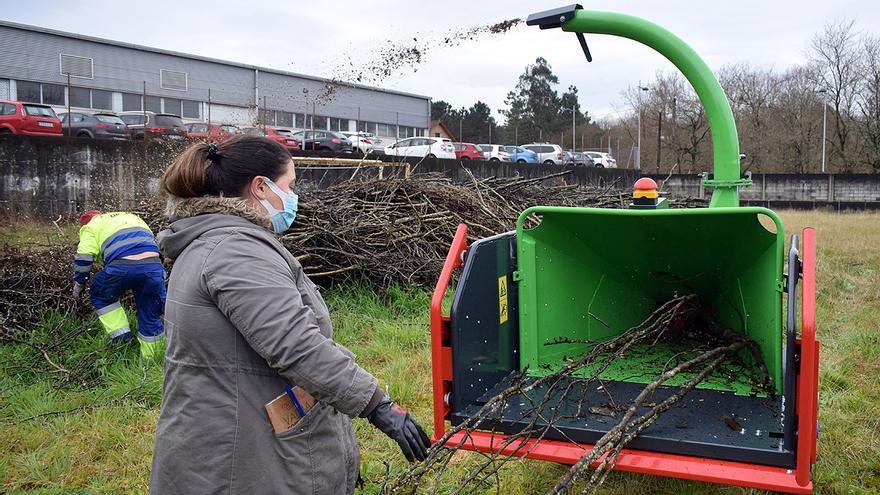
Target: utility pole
x,y
69,117
209,110
573,114
264,115
490,132
659,131
460,123
144,109
824,94
638,163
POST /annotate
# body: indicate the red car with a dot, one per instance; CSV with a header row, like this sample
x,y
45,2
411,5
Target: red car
x,y
28,118
283,136
467,151
217,133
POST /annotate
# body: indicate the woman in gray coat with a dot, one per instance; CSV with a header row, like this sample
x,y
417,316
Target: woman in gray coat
x,y
243,325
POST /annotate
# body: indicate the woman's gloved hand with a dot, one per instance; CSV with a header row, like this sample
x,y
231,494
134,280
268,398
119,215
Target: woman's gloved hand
x,y
397,423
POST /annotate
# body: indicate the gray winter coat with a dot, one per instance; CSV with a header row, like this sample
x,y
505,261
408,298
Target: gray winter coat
x,y
242,318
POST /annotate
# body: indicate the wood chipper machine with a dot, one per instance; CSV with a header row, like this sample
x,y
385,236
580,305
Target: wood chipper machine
x,y
591,273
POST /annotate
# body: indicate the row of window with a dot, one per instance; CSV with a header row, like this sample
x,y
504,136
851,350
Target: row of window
x,y
390,130
99,99
187,109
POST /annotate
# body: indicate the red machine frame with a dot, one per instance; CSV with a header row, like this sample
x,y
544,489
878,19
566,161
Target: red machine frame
x,y
676,466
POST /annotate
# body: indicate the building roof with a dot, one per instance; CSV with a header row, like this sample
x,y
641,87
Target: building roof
x,y
442,126
95,39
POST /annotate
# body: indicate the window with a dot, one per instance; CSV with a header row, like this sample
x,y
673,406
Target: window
x,y
320,122
80,97
133,119
266,117
39,111
386,130
171,79
7,109
231,129
77,118
300,121
168,121
153,104
284,119
53,94
198,127
173,105
4,89
367,127
252,131
76,66
192,109
131,102
102,100
109,119
28,91
336,124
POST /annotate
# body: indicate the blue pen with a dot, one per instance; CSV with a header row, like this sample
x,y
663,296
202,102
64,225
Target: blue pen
x,y
296,404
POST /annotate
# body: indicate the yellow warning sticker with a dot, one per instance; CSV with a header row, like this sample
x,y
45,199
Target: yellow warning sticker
x,y
502,298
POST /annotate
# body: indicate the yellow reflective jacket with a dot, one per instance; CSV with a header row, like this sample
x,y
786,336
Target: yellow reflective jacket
x,y
109,236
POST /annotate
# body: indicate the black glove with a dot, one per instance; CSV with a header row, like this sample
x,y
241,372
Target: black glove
x,y
397,423
77,291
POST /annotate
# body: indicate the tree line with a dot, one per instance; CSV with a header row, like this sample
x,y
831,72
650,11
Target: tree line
x,y
779,113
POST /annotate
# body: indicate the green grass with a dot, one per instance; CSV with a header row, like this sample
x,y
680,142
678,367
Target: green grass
x,y
107,448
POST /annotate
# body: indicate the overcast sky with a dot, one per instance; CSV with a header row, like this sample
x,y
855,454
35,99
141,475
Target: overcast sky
x,y
323,38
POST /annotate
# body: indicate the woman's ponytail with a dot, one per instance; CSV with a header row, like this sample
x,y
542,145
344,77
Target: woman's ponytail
x,y
185,178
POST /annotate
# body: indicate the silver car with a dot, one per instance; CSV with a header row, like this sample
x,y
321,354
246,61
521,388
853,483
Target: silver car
x,y
550,154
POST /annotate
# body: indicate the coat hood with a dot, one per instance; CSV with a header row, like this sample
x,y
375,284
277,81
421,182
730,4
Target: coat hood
x,y
192,217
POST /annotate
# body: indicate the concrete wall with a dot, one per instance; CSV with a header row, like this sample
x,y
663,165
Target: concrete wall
x,y
793,190
48,177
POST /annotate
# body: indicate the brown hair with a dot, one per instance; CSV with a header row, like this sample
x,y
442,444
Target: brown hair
x,y
205,169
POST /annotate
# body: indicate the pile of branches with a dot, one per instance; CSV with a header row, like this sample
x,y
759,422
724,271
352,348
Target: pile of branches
x,y
33,281
399,230
538,401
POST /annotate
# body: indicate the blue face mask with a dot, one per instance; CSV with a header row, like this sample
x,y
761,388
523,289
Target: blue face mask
x,y
281,219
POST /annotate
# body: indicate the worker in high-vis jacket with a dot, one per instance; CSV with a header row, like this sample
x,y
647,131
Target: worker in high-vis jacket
x,y
127,248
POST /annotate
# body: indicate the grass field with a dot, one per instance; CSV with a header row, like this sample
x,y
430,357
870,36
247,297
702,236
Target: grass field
x,y
103,443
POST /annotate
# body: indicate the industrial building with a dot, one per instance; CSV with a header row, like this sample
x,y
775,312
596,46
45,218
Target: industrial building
x,y
54,67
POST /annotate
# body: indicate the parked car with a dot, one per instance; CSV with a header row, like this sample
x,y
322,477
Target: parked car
x,y
467,151
28,118
283,136
101,125
431,147
361,141
547,153
162,126
494,152
602,160
323,141
580,158
519,154
202,131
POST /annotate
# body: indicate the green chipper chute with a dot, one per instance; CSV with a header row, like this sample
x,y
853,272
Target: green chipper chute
x,y
589,274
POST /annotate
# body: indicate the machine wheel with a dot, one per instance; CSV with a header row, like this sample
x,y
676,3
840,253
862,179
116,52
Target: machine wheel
x,y
5,131
83,135
432,156
599,165
549,162
465,158
493,159
520,161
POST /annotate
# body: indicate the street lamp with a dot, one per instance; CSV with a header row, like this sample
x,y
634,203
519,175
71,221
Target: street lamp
x,y
824,93
573,111
639,139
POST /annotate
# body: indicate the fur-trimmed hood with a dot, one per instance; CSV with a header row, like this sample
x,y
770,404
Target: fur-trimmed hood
x,y
192,217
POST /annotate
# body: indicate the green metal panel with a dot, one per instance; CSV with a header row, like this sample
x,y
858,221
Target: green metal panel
x,y
718,113
588,273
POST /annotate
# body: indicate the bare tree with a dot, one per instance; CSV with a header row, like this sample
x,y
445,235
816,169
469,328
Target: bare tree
x,y
869,101
834,52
